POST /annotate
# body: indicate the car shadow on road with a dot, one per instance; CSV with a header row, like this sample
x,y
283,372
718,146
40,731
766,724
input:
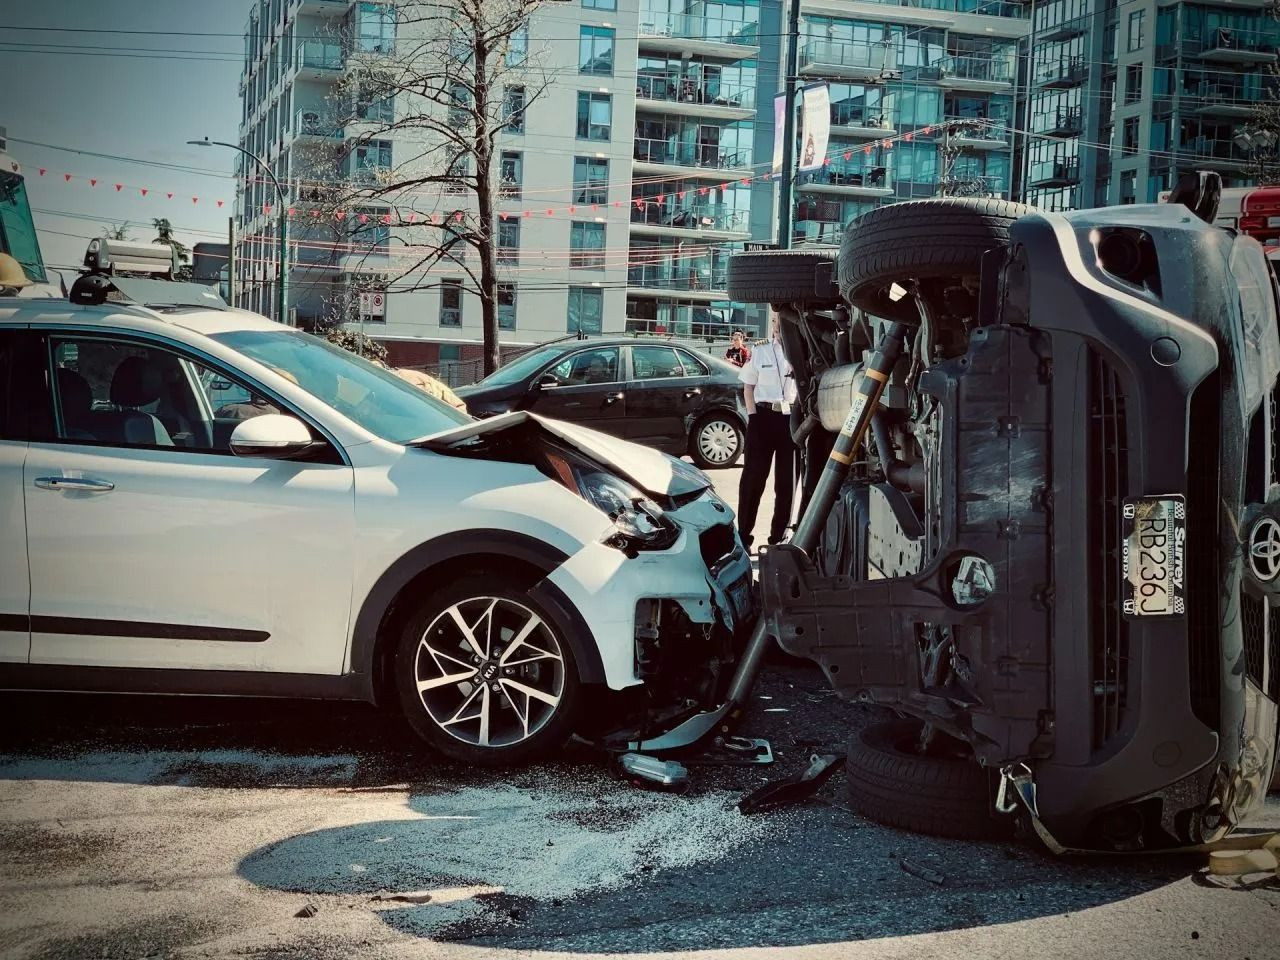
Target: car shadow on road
x,y
509,873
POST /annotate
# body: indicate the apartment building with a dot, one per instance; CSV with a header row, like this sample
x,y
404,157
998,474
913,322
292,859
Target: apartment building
x,y
621,196
1128,95
922,103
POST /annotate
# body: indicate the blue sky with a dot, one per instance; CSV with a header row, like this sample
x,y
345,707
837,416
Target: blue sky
x,y
127,106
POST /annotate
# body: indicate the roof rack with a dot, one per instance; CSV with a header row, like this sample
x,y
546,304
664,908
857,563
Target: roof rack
x,y
112,273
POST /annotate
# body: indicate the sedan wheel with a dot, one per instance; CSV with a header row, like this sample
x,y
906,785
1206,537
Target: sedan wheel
x,y
717,442
485,677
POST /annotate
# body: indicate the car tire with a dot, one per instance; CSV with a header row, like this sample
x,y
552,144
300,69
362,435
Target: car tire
x,y
530,714
805,277
919,240
944,796
710,438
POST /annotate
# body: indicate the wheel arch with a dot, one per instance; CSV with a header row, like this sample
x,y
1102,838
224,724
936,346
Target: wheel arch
x,y
430,565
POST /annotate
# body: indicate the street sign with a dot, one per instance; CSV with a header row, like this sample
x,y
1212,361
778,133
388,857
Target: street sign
x,y
373,304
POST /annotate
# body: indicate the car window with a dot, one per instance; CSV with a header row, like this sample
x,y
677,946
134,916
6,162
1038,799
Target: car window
x,y
128,394
693,367
654,363
589,366
376,399
519,368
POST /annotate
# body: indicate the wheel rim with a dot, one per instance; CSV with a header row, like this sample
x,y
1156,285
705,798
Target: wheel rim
x,y
718,441
489,672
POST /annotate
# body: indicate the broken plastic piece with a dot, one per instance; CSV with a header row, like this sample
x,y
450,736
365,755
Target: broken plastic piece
x,y
734,752
1236,863
665,774
793,789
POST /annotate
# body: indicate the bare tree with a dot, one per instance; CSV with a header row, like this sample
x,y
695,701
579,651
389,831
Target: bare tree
x,y
456,76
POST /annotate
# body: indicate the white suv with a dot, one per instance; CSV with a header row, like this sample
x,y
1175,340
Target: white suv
x,y
202,501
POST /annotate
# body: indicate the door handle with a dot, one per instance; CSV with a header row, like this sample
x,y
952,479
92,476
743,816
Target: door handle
x,y
695,392
74,483
613,398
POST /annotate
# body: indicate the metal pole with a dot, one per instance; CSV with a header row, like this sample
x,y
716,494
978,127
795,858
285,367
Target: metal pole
x,y
788,127
231,261
1026,115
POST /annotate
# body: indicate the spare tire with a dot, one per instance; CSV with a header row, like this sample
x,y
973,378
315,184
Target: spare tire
x,y
919,240
785,276
942,795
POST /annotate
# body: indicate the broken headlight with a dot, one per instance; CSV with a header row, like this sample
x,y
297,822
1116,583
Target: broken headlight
x,y
639,523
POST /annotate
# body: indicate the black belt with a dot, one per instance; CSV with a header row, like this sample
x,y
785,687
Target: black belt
x,y
775,407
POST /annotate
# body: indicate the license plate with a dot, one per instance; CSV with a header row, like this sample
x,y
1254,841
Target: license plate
x,y
740,595
1153,533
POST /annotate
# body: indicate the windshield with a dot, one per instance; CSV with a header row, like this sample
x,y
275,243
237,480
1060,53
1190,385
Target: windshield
x,y
17,230
376,399
519,368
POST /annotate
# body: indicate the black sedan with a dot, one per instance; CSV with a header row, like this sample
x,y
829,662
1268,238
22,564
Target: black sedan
x,y
658,394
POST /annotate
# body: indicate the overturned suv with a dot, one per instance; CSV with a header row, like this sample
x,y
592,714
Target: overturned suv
x,y
1056,556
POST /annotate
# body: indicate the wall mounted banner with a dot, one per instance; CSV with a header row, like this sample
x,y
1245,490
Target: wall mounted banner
x,y
779,121
815,130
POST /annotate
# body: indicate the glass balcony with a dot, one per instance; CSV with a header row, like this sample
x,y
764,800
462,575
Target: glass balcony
x,y
692,275
1215,98
311,124
1063,122
1213,151
697,91
679,216
1055,173
1062,73
1223,45
705,155
691,26
320,55
975,69
994,8
853,58
850,179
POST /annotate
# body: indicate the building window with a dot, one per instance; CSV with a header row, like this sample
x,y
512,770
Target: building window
x,y
510,174
600,4
518,47
451,303
374,104
506,306
375,27
370,159
586,310
590,180
459,106
595,115
509,241
1129,186
1130,134
513,105
1133,83
595,51
450,353
586,245
1136,38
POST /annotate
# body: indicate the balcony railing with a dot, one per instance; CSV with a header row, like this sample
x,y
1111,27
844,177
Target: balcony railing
x,y
1223,42
311,123
1055,173
1232,97
683,275
876,57
690,26
978,128
1208,148
983,69
990,8
1063,72
1063,122
707,155
870,178
695,91
845,117
319,55
688,217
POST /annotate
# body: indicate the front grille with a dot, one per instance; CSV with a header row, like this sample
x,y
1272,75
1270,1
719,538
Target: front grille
x,y
1253,623
1204,625
716,543
1108,453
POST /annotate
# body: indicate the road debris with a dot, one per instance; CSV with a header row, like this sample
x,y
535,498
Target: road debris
x,y
1236,863
793,789
310,910
924,873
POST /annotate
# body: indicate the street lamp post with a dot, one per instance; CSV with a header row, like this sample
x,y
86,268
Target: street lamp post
x,y
282,292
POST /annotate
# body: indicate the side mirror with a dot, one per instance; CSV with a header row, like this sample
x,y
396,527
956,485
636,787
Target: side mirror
x,y
271,435
546,380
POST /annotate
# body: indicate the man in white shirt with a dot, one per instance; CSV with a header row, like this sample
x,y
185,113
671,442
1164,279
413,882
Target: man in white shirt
x,y
769,390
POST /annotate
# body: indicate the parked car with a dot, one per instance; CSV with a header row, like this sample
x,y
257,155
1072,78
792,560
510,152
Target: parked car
x,y
197,500
655,393
1056,557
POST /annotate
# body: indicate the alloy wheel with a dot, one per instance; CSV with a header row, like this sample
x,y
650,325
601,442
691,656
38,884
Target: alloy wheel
x,y
489,671
718,441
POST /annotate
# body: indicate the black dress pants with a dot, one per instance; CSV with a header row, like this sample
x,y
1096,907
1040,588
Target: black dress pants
x,y
768,440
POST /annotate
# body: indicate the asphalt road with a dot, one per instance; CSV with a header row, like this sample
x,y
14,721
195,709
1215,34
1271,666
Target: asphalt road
x,y
146,827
